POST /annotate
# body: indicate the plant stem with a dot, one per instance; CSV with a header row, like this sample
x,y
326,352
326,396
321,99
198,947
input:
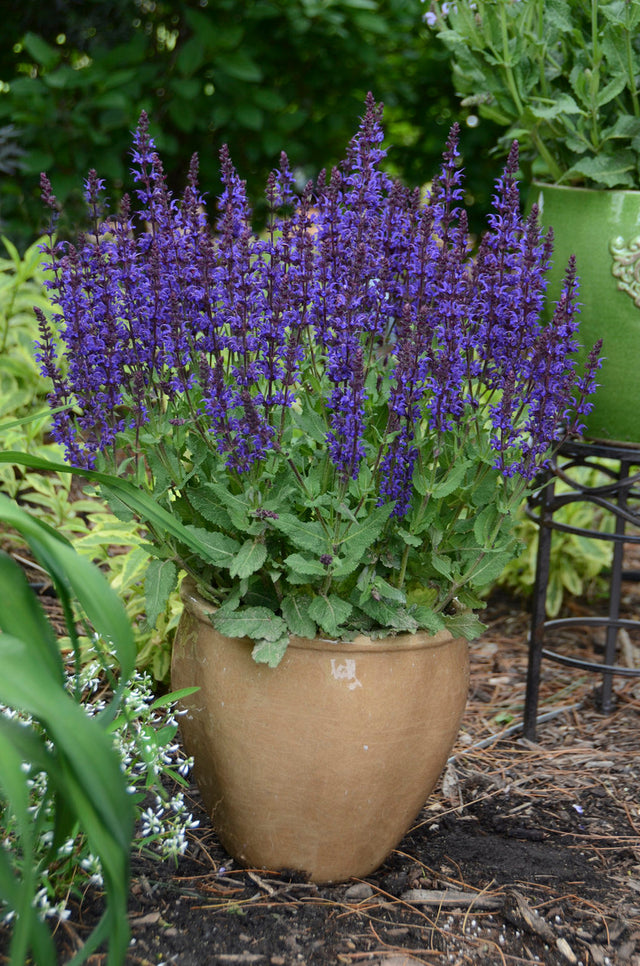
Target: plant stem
x,y
630,71
513,88
403,567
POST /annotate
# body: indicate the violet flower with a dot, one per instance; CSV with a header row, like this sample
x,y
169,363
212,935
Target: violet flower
x,y
360,310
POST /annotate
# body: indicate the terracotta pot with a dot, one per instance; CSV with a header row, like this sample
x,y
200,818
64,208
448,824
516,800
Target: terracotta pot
x,y
321,764
602,229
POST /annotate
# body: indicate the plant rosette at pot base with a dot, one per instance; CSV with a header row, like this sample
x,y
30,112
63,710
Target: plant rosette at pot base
x,y
602,229
320,764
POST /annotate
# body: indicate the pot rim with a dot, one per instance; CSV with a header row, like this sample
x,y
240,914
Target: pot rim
x,y
420,640
573,188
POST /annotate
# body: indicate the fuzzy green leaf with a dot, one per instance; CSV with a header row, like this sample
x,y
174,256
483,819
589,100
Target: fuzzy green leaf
x,y
452,480
393,616
613,171
250,557
237,508
209,505
562,104
441,565
295,609
215,547
258,623
485,525
360,536
465,624
304,535
491,566
427,618
312,425
330,613
270,652
411,539
160,580
298,563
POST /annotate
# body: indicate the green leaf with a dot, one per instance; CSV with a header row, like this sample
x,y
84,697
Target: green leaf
x,y
240,66
571,581
73,574
250,557
561,105
300,564
362,535
258,623
344,566
427,618
25,617
160,580
411,539
172,697
452,480
611,90
465,624
491,566
613,171
306,535
312,425
210,506
40,50
393,616
387,591
237,507
295,610
485,526
270,652
215,547
140,503
441,565
330,613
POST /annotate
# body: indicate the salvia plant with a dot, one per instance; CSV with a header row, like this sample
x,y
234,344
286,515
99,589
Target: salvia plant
x,y
329,426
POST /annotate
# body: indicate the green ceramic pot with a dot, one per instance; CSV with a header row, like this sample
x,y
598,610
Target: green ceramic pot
x,y
602,229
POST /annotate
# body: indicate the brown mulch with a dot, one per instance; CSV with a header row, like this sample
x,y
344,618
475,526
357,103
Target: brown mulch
x,y
527,852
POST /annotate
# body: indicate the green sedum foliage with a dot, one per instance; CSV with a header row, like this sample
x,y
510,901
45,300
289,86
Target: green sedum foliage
x,y
561,76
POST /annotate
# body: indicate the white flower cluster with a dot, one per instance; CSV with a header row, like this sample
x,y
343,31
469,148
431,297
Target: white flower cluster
x,y
143,735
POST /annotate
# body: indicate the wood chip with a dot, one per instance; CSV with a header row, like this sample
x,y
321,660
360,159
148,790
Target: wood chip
x,y
151,919
565,950
451,899
240,958
358,892
518,911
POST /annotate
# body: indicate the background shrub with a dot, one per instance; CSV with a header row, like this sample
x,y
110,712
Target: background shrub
x,y
264,76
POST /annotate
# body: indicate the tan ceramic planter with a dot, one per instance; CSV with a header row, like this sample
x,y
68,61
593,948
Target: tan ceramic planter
x,y
321,764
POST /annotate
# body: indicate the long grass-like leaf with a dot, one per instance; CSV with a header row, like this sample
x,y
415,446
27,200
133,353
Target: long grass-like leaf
x,y
24,617
73,576
83,770
140,503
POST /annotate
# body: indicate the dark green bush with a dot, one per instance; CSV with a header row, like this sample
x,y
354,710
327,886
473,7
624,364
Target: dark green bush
x,y
263,77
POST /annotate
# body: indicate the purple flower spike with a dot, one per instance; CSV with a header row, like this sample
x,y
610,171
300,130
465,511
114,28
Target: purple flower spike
x,y
352,342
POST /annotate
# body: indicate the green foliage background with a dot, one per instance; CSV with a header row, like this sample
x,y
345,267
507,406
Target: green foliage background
x,y
262,76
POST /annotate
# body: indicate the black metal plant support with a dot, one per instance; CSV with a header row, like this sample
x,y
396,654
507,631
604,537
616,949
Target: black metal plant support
x,y
615,497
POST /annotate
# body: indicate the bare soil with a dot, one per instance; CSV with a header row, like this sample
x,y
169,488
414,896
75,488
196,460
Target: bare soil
x,y
526,853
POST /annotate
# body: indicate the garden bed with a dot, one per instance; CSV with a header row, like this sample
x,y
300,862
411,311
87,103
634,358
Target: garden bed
x,y
527,853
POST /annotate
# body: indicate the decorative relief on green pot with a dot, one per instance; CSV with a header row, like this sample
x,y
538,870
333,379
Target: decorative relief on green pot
x,y
602,230
626,266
